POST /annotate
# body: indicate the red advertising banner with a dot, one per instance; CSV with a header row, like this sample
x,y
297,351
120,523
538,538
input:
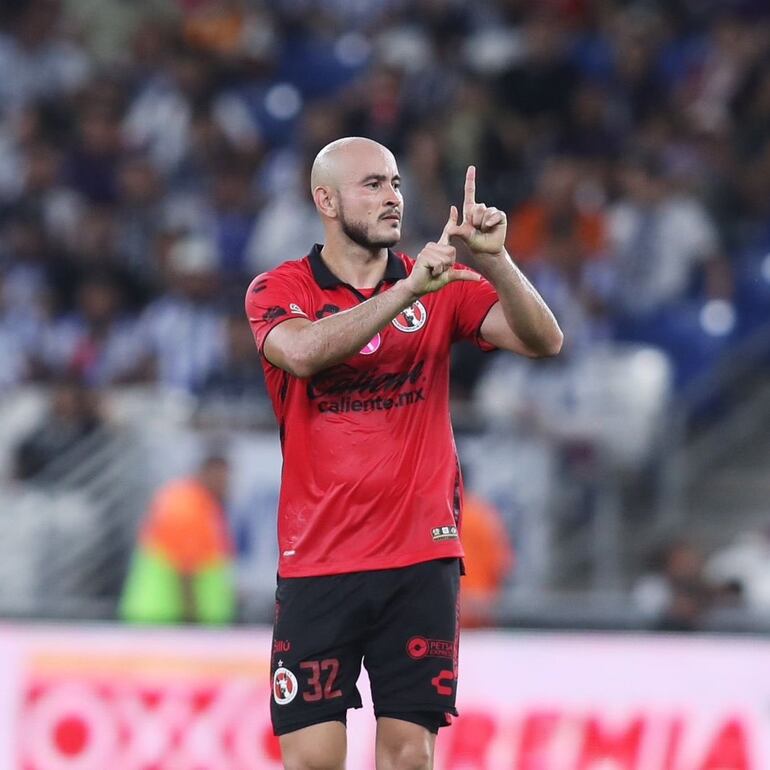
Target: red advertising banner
x,y
111,698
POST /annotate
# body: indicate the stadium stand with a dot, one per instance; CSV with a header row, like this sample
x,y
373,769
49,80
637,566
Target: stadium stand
x,y
154,157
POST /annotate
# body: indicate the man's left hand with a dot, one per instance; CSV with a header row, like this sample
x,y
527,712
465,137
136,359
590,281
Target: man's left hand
x,y
483,227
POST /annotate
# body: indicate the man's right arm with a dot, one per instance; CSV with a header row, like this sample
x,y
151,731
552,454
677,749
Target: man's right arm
x,y
303,347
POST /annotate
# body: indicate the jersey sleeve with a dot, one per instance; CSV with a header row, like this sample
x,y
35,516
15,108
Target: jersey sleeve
x,y
271,299
473,300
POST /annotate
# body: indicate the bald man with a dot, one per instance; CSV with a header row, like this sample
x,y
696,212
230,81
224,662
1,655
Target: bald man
x,y
355,341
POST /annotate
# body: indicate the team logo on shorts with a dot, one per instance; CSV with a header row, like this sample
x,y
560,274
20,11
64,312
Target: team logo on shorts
x,y
412,319
372,346
284,686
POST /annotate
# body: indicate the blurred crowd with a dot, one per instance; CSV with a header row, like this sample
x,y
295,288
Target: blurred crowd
x,y
154,157
684,588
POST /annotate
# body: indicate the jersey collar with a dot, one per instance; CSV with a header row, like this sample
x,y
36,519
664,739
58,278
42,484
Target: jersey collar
x,y
394,270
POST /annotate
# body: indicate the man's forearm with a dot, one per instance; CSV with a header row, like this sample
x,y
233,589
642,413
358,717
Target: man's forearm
x,y
337,337
525,311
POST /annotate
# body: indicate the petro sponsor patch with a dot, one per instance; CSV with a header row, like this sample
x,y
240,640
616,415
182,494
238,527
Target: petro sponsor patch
x,y
418,647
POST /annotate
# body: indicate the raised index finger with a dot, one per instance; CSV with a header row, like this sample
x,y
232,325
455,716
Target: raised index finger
x,y
450,223
470,191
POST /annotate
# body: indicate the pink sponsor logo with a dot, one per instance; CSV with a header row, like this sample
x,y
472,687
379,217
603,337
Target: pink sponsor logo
x,y
372,346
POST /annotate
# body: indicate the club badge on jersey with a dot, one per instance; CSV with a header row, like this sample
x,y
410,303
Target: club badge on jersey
x,y
412,319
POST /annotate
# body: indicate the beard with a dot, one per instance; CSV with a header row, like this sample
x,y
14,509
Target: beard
x,y
358,232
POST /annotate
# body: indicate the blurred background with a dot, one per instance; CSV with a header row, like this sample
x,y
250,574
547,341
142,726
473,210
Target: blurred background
x,y
154,157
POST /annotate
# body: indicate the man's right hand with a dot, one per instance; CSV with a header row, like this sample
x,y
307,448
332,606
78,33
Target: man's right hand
x,y
434,267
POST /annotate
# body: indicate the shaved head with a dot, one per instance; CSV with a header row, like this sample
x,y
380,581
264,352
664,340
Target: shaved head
x,y
357,190
343,157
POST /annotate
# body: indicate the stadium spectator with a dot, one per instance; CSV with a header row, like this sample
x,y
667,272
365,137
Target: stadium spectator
x,y
141,197
561,240
285,224
234,393
538,86
182,567
540,226
470,131
232,30
73,415
91,165
46,192
377,109
741,569
106,28
18,335
676,594
27,265
37,59
488,561
630,55
232,214
98,342
159,119
594,131
432,83
751,111
423,181
714,79
659,241
183,329
96,249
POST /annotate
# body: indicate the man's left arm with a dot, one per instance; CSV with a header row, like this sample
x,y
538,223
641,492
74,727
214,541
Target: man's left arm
x,y
521,321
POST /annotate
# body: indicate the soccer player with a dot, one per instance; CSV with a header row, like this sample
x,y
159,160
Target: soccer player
x,y
355,341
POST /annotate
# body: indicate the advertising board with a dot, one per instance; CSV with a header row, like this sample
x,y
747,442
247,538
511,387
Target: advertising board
x,y
127,699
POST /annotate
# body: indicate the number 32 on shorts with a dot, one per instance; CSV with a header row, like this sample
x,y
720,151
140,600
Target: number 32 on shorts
x,y
316,671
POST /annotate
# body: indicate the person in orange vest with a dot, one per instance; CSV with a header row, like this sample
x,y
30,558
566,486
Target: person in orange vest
x,y
182,569
488,560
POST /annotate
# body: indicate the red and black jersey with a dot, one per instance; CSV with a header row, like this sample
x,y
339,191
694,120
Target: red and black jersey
x,y
370,474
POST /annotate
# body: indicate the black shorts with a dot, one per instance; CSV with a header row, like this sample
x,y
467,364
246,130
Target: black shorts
x,y
402,623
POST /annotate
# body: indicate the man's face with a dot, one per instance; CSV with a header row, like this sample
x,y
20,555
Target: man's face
x,y
370,204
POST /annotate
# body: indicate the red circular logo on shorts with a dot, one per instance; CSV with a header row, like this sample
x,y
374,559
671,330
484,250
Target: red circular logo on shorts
x,y
417,647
